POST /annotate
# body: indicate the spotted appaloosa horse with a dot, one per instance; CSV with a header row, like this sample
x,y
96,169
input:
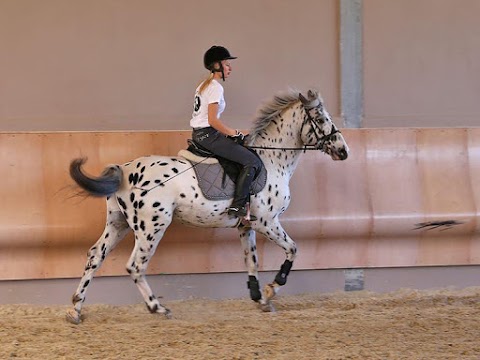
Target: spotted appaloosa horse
x,y
139,199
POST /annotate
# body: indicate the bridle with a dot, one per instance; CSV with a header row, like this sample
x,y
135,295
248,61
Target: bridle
x,y
320,139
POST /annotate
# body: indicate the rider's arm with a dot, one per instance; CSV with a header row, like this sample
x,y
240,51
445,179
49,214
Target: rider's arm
x,y
216,123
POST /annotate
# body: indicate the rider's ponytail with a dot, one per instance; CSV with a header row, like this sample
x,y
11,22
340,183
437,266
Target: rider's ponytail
x,y
205,83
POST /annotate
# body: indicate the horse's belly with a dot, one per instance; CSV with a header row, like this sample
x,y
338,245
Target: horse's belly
x,y
204,216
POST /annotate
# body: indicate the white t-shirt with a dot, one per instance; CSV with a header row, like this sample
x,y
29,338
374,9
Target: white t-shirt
x,y
212,94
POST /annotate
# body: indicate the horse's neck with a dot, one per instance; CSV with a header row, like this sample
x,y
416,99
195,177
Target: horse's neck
x,y
281,134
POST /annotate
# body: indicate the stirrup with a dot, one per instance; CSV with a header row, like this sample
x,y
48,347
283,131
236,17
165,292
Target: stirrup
x,y
241,212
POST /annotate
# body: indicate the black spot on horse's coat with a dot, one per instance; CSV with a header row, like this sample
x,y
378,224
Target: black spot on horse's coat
x,y
163,164
145,183
155,218
156,204
144,193
135,219
132,197
107,235
182,195
175,170
166,175
142,169
142,225
135,204
122,204
86,283
133,179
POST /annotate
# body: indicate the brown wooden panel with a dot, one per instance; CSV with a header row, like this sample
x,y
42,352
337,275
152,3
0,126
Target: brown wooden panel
x,y
357,213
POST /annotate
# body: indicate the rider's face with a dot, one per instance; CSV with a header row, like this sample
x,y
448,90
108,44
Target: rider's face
x,y
227,68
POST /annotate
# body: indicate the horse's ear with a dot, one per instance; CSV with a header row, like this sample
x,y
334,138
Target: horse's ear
x,y
302,99
312,95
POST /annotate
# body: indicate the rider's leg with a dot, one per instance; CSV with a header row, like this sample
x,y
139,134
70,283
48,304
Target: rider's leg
x,y
242,192
220,145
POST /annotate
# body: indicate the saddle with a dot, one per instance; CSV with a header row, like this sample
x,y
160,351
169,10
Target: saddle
x,y
216,175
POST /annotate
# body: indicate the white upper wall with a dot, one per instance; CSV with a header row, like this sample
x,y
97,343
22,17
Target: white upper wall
x,y
123,64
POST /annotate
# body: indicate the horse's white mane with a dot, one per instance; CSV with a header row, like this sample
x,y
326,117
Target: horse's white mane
x,y
271,109
274,107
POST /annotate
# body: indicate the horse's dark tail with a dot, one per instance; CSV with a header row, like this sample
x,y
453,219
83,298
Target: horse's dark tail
x,y
106,184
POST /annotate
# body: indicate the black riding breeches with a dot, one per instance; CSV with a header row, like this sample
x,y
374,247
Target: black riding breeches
x,y
220,145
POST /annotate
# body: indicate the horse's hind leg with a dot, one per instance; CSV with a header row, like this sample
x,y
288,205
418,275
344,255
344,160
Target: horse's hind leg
x,y
147,238
115,230
247,238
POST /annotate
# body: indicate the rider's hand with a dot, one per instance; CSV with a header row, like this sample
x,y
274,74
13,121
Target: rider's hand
x,y
239,137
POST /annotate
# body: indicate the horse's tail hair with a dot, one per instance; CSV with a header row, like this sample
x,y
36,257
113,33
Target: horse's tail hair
x,y
106,184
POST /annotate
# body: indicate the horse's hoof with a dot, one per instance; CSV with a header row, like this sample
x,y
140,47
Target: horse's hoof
x,y
73,317
267,307
168,314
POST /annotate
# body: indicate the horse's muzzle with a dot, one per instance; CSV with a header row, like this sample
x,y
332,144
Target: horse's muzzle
x,y
340,154
343,154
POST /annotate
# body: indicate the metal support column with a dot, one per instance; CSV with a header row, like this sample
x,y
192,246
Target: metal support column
x,y
351,65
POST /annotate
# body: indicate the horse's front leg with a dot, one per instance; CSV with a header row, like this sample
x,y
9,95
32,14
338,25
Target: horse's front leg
x,y
275,232
249,245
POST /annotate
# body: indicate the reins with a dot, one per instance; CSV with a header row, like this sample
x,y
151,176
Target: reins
x,y
304,148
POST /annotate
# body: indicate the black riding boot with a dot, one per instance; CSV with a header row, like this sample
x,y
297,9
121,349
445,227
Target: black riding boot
x,y
242,192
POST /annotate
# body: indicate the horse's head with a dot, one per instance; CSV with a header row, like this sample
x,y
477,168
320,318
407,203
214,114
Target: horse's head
x,y
318,129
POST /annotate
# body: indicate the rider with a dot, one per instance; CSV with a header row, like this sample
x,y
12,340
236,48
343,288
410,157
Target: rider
x,y
212,134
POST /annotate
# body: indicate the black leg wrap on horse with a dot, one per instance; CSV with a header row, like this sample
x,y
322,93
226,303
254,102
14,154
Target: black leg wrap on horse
x,y
254,287
281,278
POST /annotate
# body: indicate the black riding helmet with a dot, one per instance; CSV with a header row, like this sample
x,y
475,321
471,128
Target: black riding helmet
x,y
216,54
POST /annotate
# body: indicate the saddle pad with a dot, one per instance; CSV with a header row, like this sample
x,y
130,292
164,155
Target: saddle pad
x,y
210,179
